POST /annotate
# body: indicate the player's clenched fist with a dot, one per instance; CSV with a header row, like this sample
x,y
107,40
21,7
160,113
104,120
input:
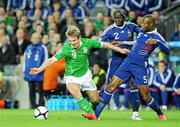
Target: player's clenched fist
x,y
151,41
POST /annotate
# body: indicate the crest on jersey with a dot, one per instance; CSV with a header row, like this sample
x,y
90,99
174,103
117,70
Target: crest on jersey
x,y
147,47
85,50
73,55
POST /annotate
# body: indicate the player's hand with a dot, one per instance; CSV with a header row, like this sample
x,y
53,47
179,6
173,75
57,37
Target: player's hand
x,y
178,91
162,87
124,51
34,71
151,41
117,43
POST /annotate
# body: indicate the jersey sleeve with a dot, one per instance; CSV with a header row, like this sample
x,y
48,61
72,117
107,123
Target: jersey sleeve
x,y
62,52
155,82
162,44
106,34
45,51
151,76
94,43
176,84
104,37
135,28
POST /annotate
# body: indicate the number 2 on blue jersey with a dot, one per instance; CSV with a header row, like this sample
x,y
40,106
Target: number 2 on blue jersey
x,y
116,36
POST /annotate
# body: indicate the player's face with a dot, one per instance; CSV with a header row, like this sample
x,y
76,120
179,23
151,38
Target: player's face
x,y
161,67
96,69
35,39
74,41
119,21
147,24
179,27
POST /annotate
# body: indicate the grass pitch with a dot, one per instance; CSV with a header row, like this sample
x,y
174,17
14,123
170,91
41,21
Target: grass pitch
x,y
24,118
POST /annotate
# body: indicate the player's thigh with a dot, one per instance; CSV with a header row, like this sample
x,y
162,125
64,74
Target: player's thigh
x,y
93,95
140,75
114,63
74,89
88,85
123,72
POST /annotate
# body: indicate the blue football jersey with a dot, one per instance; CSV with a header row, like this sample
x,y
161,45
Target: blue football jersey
x,y
176,83
166,78
135,65
124,33
141,50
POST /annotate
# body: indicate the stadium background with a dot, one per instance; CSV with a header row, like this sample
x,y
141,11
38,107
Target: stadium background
x,y
21,17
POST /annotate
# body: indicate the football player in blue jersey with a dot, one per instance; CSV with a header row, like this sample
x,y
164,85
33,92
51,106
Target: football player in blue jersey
x,y
176,93
164,79
135,66
121,31
154,90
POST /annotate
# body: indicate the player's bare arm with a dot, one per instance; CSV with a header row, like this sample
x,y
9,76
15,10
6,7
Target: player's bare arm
x,y
119,43
108,45
178,91
46,63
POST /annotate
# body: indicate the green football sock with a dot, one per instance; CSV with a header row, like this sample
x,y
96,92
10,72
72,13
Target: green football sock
x,y
85,105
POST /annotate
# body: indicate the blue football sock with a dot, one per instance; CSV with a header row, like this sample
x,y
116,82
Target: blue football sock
x,y
176,99
135,99
101,92
105,98
116,98
126,98
155,106
164,96
156,97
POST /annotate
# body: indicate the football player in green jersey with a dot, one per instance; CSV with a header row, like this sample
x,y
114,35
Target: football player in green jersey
x,y
77,74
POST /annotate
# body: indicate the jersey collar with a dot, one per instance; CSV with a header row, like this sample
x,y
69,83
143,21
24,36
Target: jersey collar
x,y
79,46
119,26
154,31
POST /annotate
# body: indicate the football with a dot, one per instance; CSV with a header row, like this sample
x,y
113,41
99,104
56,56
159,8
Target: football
x,y
41,113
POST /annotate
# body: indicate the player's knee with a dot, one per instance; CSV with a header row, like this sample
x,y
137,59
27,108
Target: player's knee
x,y
96,100
146,96
115,82
144,90
110,88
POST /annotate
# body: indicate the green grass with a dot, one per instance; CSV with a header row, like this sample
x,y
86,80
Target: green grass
x,y
24,118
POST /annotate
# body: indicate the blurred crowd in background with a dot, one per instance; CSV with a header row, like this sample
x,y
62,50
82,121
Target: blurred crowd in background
x,y
37,28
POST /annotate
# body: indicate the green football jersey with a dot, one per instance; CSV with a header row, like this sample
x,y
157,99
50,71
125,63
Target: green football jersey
x,y
77,63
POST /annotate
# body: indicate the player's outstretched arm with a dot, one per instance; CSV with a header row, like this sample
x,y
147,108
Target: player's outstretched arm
x,y
46,63
119,43
108,45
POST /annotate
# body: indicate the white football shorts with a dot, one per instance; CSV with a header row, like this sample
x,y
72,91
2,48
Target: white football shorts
x,y
85,81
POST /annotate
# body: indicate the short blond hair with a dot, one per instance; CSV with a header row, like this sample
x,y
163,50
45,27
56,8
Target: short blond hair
x,y
36,35
73,31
